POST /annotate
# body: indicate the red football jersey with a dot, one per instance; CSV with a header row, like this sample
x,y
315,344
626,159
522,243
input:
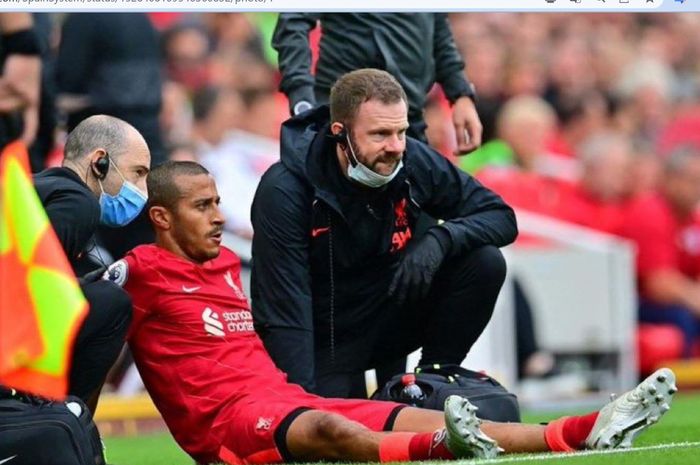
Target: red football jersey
x,y
663,241
193,341
586,210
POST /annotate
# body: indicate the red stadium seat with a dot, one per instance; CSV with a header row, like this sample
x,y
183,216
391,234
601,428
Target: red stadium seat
x,y
657,344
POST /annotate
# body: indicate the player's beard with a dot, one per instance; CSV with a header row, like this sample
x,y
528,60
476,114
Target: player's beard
x,y
194,245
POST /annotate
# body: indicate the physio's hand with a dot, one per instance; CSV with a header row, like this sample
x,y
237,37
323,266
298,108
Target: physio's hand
x,y
417,269
468,128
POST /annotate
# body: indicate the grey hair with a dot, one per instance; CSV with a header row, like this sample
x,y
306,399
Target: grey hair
x,y
678,159
593,149
97,132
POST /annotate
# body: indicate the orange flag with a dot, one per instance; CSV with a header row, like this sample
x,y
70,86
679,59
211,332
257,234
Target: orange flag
x,y
41,304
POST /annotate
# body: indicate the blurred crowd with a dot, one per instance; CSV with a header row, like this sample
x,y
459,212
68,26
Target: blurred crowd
x,y
590,118
594,119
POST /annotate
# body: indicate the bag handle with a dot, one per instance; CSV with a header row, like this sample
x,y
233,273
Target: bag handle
x,y
452,371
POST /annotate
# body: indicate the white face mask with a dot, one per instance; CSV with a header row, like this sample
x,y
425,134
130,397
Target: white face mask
x,y
364,175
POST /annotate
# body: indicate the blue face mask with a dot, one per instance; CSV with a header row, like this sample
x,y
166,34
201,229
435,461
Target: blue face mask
x,y
121,209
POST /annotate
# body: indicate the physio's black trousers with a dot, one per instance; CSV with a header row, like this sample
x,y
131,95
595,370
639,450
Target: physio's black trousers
x,y
101,337
446,324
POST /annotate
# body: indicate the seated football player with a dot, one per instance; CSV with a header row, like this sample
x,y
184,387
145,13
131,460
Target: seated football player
x,y
224,400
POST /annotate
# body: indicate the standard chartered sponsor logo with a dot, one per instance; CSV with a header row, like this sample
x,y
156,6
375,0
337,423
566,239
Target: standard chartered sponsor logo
x,y
235,322
238,321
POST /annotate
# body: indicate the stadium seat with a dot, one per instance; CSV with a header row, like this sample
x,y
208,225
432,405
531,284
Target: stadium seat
x,y
657,344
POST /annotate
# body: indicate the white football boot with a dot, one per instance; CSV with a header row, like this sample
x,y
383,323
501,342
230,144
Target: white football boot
x,y
621,420
464,437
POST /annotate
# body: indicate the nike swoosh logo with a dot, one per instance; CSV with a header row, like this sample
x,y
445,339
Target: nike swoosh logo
x,y
318,231
7,459
189,290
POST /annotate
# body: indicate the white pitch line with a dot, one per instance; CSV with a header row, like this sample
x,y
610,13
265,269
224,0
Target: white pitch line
x,y
559,456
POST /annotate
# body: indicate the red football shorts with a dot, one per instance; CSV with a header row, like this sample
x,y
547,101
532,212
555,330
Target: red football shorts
x,y
255,429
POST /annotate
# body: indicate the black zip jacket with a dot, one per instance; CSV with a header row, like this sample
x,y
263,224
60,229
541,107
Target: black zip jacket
x,y
325,250
416,48
73,210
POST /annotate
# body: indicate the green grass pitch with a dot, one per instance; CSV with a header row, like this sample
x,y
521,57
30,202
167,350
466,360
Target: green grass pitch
x,y
674,441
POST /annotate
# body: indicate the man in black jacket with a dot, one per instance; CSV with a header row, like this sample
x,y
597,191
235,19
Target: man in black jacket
x,y
416,48
102,181
339,285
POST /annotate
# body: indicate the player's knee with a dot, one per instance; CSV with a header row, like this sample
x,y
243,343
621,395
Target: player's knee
x,y
334,432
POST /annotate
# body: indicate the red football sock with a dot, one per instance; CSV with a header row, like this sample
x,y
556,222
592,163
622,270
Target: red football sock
x,y
569,433
402,447
425,446
394,447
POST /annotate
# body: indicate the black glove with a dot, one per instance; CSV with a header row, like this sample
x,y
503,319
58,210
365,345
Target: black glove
x,y
417,269
92,276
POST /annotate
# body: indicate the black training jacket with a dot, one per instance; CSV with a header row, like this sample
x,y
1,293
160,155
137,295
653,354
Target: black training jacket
x,y
324,249
416,48
73,210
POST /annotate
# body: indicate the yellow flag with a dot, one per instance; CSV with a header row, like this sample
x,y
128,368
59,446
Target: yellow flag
x,y
41,304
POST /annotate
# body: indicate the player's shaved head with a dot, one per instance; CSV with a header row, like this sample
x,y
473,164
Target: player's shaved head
x,y
163,189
